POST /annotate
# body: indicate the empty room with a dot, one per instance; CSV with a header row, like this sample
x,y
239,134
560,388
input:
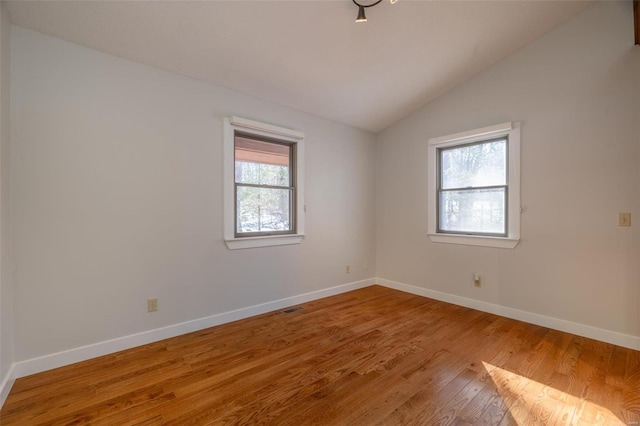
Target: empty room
x,y
327,212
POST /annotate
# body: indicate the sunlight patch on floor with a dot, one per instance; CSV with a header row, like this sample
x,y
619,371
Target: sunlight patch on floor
x,y
528,401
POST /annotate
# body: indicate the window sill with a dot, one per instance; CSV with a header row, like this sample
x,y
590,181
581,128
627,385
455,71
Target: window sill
x,y
254,242
475,240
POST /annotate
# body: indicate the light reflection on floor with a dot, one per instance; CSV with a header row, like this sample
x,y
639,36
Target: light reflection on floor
x,y
530,402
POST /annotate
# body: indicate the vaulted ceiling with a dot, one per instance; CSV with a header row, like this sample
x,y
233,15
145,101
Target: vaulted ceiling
x,y
309,55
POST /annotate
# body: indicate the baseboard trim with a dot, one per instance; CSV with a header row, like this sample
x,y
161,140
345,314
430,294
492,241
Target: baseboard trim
x,y
608,336
59,359
7,383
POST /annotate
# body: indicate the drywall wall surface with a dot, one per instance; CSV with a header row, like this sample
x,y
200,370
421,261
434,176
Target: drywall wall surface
x,y
6,308
117,185
576,92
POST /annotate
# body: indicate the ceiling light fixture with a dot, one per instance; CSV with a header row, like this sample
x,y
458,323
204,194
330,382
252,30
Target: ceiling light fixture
x,y
361,16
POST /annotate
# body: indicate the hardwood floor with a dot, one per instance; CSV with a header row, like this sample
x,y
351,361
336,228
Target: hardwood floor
x,y
367,357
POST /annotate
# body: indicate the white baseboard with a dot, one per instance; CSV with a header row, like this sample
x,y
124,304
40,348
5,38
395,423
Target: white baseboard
x,y
48,362
608,336
7,383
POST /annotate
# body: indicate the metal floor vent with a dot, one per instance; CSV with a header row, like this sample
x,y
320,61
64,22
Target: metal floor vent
x,y
292,310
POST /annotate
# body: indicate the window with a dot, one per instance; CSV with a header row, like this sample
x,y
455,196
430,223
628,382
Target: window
x,y
263,184
474,187
265,188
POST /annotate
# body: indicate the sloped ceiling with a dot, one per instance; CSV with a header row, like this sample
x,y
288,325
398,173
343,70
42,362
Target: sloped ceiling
x,y
309,55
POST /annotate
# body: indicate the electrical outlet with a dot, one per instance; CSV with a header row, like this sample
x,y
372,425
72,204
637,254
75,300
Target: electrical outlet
x,y
624,219
152,305
477,281
365,265
347,269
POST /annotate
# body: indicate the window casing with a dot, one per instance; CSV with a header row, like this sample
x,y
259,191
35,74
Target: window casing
x,y
474,187
263,184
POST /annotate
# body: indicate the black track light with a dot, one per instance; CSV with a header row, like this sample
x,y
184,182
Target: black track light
x,y
361,16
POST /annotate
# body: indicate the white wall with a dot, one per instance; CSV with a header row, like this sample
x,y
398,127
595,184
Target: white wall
x,y
6,309
117,184
576,91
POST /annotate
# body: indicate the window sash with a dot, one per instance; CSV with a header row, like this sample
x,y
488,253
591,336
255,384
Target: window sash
x,y
291,216
440,190
505,193
291,188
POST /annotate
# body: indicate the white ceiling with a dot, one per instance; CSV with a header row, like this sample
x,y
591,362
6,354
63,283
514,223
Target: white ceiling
x,y
309,55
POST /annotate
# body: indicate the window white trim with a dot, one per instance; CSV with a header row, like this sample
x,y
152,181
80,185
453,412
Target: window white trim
x,y
512,130
471,136
256,128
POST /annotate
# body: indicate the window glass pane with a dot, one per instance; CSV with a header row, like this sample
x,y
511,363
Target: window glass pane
x,y
262,174
261,163
473,211
482,164
263,209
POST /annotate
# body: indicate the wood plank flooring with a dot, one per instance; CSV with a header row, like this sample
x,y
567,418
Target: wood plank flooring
x,y
373,356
